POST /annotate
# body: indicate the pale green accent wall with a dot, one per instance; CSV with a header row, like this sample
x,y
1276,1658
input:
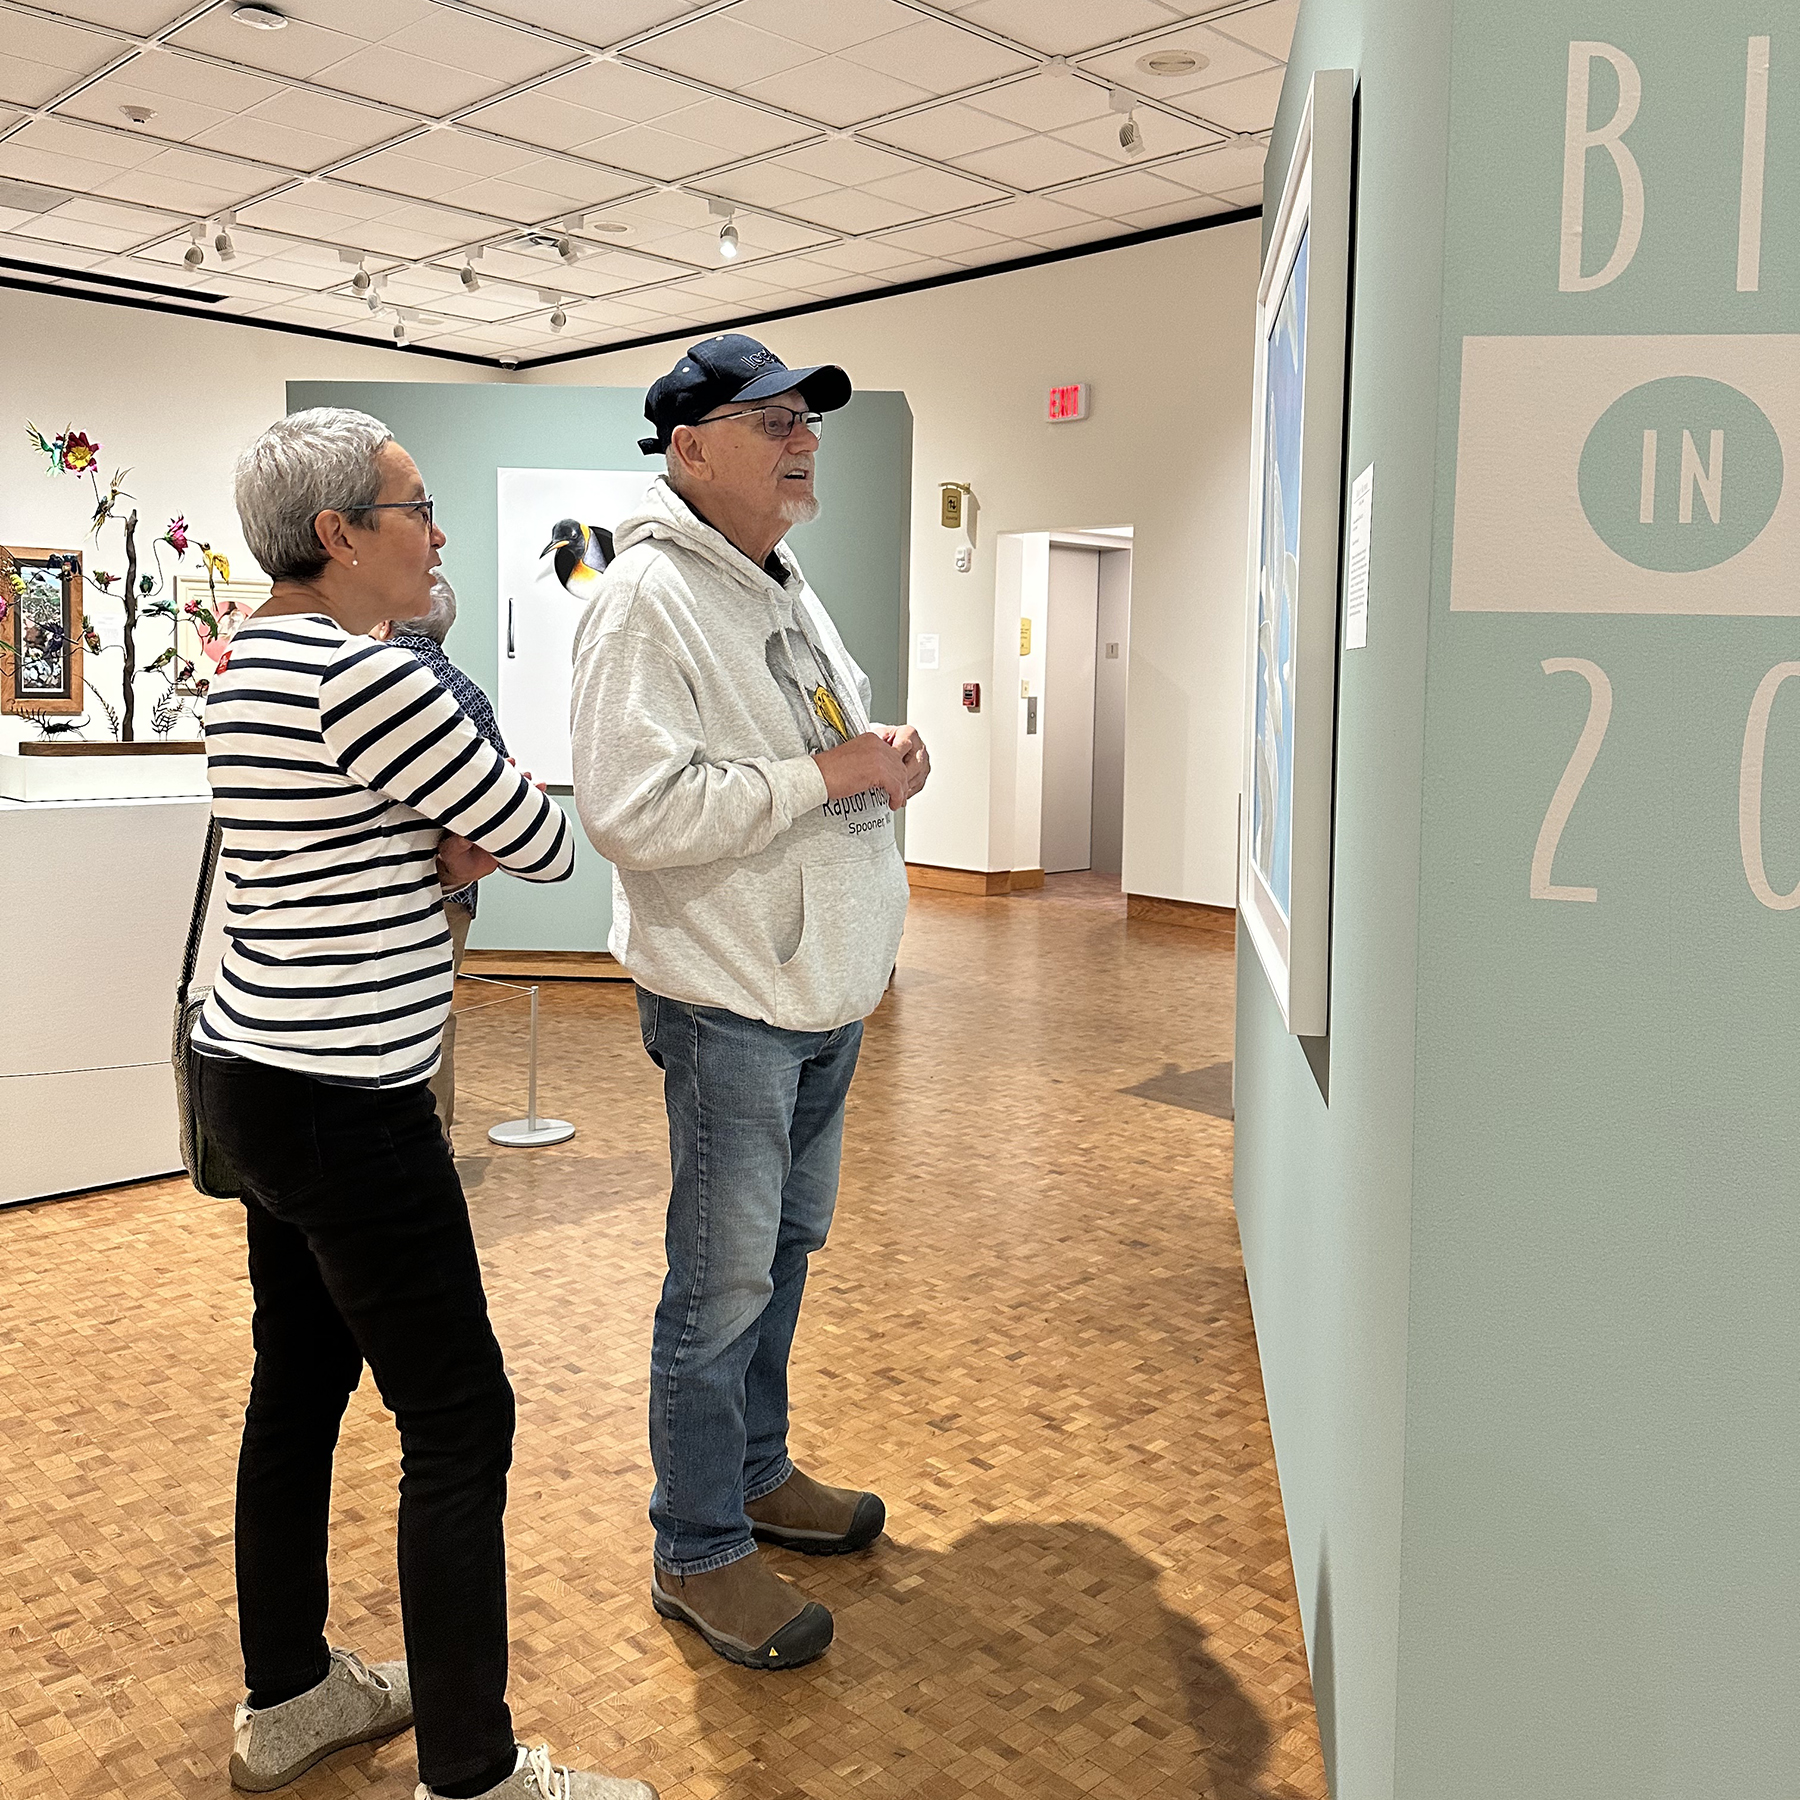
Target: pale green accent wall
x,y
854,554
1524,1287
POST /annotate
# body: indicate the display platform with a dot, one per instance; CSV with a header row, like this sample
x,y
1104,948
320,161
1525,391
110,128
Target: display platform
x,y
104,771
100,893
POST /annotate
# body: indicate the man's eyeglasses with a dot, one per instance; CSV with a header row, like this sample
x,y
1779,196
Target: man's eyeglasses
x,y
777,421
420,509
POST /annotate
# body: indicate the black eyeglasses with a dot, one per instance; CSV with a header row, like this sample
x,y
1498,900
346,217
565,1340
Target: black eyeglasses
x,y
420,509
778,421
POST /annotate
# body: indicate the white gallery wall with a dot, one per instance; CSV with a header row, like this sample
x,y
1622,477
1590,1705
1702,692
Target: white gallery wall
x,y
172,399
1163,332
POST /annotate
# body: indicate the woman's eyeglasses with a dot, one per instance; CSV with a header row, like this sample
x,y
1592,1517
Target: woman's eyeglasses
x,y
420,509
777,421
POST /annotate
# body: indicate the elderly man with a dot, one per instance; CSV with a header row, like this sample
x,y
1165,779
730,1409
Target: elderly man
x,y
725,764
424,638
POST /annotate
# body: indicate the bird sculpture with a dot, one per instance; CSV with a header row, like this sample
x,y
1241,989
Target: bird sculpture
x,y
579,554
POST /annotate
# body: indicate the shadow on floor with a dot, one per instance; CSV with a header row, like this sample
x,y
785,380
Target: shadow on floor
x,y
1047,1645
1206,1090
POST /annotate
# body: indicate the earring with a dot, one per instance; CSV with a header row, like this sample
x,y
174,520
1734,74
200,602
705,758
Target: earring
x,y
353,562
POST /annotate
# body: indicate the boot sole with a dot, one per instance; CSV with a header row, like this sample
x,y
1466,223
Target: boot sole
x,y
803,1646
247,1782
866,1525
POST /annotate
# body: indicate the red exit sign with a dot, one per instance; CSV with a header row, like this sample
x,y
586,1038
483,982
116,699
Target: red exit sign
x,y
1069,402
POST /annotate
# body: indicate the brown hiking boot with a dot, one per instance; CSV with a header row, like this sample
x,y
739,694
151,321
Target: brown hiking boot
x,y
806,1515
747,1613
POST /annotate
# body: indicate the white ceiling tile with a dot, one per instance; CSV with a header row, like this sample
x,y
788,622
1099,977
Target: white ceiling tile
x,y
647,151
42,57
1090,233
58,227
1269,28
826,29
577,183
301,50
176,121
500,54
1128,192
723,49
157,77
845,162
537,118
1035,162
380,72
1214,171
734,129
1028,218
1045,102
945,237
768,184
931,190
139,16
81,145
617,90
849,209
798,271
1251,195
868,256
64,256
1247,104
1194,206
618,20
1063,27
837,91
356,18
936,56
1221,59
949,131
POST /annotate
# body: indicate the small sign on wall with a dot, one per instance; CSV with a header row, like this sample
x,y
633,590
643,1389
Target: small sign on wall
x,y
1067,402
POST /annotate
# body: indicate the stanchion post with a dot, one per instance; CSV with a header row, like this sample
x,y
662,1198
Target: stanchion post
x,y
531,1132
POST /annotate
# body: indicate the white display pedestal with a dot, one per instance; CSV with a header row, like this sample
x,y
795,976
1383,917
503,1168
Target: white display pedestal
x,y
97,895
150,776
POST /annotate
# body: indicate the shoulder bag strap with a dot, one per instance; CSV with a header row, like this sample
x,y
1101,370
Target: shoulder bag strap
x,y
209,863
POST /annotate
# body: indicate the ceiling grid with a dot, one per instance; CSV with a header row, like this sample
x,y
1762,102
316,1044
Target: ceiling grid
x,y
481,178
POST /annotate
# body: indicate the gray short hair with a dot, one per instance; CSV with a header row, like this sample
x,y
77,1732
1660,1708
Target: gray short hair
x,y
311,462
436,623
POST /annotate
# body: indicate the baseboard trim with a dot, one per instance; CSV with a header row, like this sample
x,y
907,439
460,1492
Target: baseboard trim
x,y
1152,909
958,881
1021,879
544,965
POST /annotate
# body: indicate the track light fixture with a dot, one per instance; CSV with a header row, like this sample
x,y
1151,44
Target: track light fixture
x,y
399,331
566,249
194,256
470,280
558,319
361,281
222,243
1131,133
728,242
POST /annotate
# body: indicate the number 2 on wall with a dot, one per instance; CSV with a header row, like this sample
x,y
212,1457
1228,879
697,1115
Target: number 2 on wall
x,y
1568,790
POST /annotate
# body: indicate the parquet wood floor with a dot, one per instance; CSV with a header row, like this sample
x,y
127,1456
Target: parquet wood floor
x,y
1029,1332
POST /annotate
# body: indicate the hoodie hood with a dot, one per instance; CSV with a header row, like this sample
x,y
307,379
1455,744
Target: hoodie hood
x,y
666,516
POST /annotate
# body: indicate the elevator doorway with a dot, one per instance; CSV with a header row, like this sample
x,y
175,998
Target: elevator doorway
x,y
1087,623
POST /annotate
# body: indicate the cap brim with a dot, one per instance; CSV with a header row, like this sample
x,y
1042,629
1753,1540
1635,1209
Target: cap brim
x,y
825,387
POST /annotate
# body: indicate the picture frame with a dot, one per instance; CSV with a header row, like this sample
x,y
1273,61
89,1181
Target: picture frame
x,y
41,633
1296,513
201,636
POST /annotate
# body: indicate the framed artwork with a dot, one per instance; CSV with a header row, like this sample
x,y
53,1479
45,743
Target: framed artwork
x,y
1296,502
207,614
40,632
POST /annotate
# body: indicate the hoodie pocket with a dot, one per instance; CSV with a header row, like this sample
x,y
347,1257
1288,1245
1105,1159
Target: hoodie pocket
x,y
851,915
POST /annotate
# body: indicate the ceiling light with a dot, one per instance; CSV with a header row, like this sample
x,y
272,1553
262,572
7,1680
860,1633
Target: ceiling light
x,y
139,115
612,227
260,18
728,242
362,280
1131,137
565,248
1171,63
509,362
558,319
469,278
194,256
399,331
222,243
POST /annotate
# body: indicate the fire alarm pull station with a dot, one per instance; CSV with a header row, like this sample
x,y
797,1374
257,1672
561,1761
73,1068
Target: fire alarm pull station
x,y
972,696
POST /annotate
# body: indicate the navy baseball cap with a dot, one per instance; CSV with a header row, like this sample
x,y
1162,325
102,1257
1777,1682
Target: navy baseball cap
x,y
721,370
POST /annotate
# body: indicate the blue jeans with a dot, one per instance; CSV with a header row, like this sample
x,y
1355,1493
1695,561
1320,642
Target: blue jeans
x,y
756,1130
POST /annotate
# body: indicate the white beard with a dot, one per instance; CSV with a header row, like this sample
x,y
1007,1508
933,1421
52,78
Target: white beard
x,y
800,509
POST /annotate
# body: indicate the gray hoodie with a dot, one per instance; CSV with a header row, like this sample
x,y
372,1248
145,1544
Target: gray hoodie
x,y
702,689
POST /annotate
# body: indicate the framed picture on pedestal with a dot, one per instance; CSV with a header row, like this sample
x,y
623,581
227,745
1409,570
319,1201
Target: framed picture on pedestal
x,y
40,633
1296,500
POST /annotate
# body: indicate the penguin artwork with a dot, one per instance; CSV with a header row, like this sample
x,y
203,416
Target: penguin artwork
x,y
579,554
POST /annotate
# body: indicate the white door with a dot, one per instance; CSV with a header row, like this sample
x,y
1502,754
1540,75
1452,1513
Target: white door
x,y
1067,724
1110,663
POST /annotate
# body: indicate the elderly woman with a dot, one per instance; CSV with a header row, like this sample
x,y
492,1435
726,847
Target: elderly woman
x,y
352,794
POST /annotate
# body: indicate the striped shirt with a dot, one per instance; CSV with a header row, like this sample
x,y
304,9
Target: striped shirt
x,y
336,765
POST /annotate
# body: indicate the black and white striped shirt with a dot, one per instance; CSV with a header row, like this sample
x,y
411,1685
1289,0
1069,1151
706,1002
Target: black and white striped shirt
x,y
336,765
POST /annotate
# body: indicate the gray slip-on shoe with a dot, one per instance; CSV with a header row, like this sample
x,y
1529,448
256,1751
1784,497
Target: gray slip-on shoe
x,y
537,1778
356,1703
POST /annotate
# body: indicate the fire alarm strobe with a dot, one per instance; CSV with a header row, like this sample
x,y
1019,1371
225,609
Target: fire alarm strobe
x,y
1067,402
972,695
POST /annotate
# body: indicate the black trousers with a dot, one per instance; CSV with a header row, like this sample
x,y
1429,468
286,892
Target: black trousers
x,y
360,1250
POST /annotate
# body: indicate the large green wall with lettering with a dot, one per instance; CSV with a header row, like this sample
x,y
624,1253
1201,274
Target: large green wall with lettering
x,y
1522,1232
855,555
